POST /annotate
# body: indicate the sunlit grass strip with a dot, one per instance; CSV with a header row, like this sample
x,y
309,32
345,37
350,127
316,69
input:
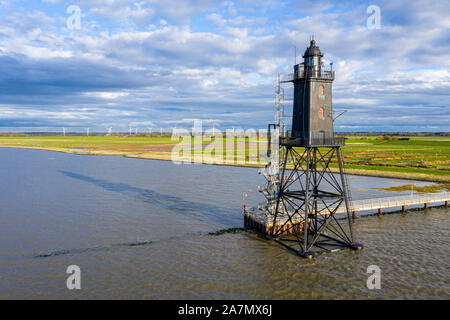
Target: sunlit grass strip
x,y
422,158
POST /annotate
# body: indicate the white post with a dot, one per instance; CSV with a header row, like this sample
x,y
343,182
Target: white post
x,y
87,132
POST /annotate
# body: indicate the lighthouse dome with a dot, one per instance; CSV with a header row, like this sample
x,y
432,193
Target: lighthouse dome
x,y
312,50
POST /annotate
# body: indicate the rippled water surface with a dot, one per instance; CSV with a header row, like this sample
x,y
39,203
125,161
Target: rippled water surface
x,y
139,229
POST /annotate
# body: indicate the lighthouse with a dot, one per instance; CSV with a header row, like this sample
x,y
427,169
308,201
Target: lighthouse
x,y
312,119
308,205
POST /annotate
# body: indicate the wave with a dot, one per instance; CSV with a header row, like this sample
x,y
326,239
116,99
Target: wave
x,y
93,249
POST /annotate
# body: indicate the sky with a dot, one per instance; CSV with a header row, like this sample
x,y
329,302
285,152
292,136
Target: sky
x,y
162,64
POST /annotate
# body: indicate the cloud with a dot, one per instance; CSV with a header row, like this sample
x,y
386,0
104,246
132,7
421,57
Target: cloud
x,y
159,63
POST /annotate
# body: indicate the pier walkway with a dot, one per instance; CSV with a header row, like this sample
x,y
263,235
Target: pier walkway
x,y
400,201
261,221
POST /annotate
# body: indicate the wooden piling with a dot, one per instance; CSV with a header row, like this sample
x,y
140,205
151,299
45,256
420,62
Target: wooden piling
x,y
380,211
425,205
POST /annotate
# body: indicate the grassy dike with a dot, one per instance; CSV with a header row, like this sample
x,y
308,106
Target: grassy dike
x,y
419,158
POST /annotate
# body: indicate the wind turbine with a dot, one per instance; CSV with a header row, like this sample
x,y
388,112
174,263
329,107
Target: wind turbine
x,y
87,132
64,132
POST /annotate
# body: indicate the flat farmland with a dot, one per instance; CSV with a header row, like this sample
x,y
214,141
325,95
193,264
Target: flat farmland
x,y
423,158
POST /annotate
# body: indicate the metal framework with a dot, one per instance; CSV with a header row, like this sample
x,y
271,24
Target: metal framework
x,y
302,195
302,210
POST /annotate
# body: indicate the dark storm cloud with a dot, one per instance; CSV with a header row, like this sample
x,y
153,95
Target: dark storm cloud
x,y
22,76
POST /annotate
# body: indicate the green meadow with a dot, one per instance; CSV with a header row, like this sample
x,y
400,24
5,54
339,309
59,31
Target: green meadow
x,y
423,158
420,155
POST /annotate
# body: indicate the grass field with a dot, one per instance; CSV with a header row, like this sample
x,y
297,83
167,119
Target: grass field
x,y
423,158
418,156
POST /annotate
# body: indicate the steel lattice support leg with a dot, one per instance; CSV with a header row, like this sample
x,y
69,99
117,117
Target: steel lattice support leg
x,y
310,195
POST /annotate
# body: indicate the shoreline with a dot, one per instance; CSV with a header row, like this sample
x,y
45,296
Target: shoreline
x,y
165,157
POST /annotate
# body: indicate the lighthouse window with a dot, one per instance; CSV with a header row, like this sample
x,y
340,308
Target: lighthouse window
x,y
321,91
321,114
